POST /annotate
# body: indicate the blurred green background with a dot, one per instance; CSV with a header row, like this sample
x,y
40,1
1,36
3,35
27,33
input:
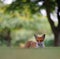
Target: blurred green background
x,y
22,27
19,21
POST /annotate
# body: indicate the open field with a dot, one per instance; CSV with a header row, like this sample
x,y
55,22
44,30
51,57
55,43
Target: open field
x,y
40,53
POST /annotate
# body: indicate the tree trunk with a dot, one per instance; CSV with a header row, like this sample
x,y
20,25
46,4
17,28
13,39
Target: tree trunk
x,y
57,39
7,36
55,30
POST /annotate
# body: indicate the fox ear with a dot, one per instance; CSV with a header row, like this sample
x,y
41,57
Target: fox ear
x,y
35,35
43,35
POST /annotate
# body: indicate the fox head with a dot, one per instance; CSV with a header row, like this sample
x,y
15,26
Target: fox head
x,y
39,39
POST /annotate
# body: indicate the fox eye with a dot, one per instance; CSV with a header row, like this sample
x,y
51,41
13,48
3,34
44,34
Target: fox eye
x,y
37,40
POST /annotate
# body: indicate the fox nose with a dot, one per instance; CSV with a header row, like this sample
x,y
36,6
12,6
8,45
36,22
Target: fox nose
x,y
39,44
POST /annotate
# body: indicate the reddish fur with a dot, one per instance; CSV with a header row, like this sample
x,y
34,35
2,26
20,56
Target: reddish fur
x,y
30,44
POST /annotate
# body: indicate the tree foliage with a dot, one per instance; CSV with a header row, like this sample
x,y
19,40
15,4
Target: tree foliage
x,y
32,5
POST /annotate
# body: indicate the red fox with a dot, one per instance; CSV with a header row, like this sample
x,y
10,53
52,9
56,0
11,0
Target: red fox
x,y
39,42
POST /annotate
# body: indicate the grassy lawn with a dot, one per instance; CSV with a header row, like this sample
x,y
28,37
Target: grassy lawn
x,y
40,53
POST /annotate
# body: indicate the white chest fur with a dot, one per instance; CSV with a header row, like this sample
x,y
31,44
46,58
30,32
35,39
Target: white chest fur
x,y
41,44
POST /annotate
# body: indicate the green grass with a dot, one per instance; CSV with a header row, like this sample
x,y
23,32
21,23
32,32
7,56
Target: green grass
x,y
40,53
